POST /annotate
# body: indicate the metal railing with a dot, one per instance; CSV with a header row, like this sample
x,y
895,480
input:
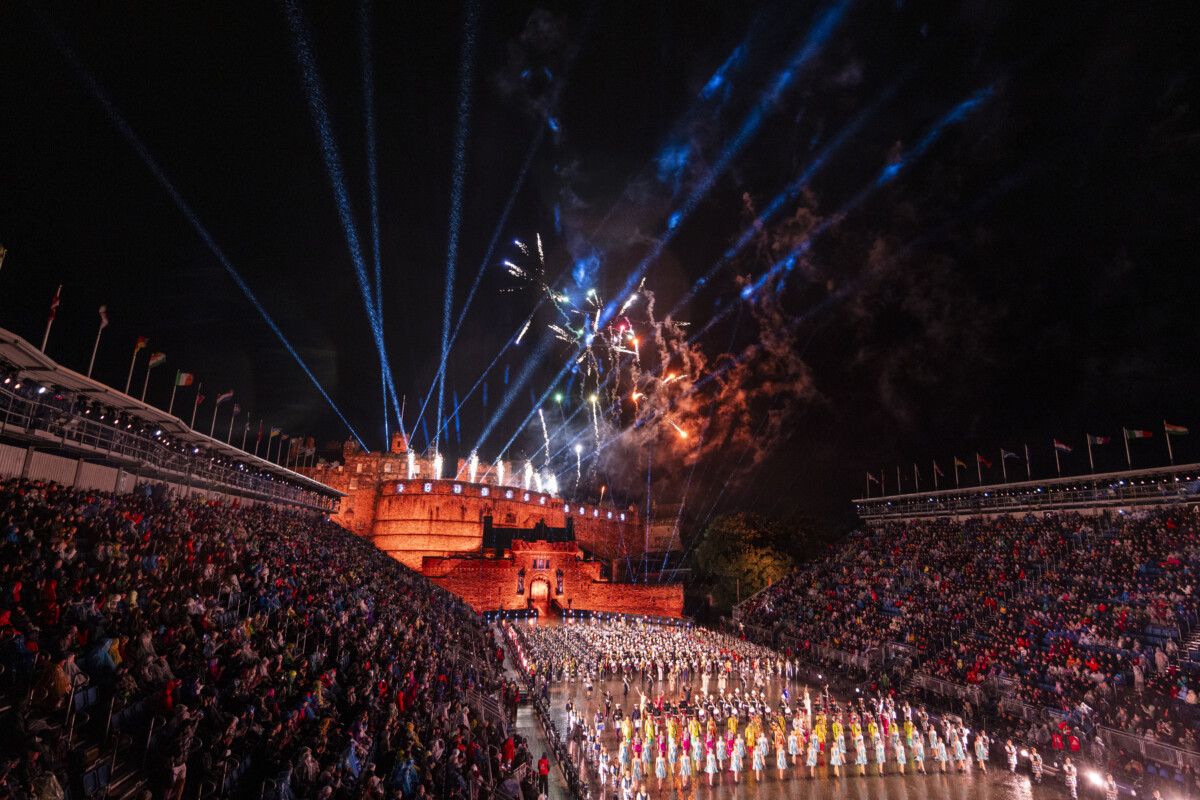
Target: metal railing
x,y
62,424
1159,752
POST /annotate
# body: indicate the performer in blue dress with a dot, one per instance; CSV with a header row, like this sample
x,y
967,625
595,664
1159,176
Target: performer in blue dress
x,y
836,759
918,753
860,754
880,753
758,762
781,758
939,752
811,761
981,749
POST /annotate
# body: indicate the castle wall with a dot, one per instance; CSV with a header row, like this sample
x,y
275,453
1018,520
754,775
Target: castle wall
x,y
492,584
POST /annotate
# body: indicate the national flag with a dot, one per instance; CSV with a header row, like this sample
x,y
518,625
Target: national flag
x,y
1132,434
199,399
54,303
259,438
872,478
1174,430
141,343
221,398
274,433
183,378
236,409
958,462
103,317
1098,439
983,461
1007,454
3,253
157,360
283,437
938,471
1062,448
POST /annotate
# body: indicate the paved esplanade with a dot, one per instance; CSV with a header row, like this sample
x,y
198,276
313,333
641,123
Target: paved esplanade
x,y
699,679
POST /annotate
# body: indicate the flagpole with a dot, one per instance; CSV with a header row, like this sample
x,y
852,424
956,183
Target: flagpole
x,y
96,346
1028,465
979,469
1091,463
213,426
1125,436
1003,466
868,485
882,483
956,484
229,436
916,478
132,361
174,388
935,481
258,441
49,322
898,484
246,432
1057,466
146,382
195,406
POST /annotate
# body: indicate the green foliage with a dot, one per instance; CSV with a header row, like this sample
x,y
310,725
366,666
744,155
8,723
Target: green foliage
x,y
745,551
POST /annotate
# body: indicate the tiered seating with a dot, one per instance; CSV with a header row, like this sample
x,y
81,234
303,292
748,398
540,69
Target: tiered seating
x,y
1087,619
220,650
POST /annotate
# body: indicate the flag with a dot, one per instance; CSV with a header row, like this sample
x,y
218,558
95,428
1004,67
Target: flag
x,y
958,462
1062,448
103,317
199,399
283,437
54,303
157,360
3,253
259,439
236,409
221,398
872,478
1132,434
274,433
983,461
1007,454
183,378
1098,439
938,471
1174,430
141,343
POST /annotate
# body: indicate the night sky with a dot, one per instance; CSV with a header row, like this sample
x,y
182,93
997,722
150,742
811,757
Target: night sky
x,y
995,246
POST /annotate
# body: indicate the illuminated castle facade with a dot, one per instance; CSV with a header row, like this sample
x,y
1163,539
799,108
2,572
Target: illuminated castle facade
x,y
434,519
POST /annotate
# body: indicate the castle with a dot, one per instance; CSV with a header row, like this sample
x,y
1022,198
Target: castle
x,y
435,520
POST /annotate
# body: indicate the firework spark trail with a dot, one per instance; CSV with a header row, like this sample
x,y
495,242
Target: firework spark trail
x,y
687,486
545,435
122,125
822,30
646,544
462,121
319,113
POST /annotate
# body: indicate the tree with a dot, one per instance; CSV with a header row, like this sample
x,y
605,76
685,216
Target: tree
x,y
741,553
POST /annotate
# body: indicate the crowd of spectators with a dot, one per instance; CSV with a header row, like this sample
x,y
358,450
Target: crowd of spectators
x,y
1085,616
257,651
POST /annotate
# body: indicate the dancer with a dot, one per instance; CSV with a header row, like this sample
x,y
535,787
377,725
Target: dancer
x,y
860,753
811,761
1070,775
880,754
939,750
918,753
1035,761
758,761
711,766
1011,752
836,759
981,749
780,757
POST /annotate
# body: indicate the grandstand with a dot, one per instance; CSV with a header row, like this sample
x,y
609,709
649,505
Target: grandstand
x,y
58,425
1084,493
1060,612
